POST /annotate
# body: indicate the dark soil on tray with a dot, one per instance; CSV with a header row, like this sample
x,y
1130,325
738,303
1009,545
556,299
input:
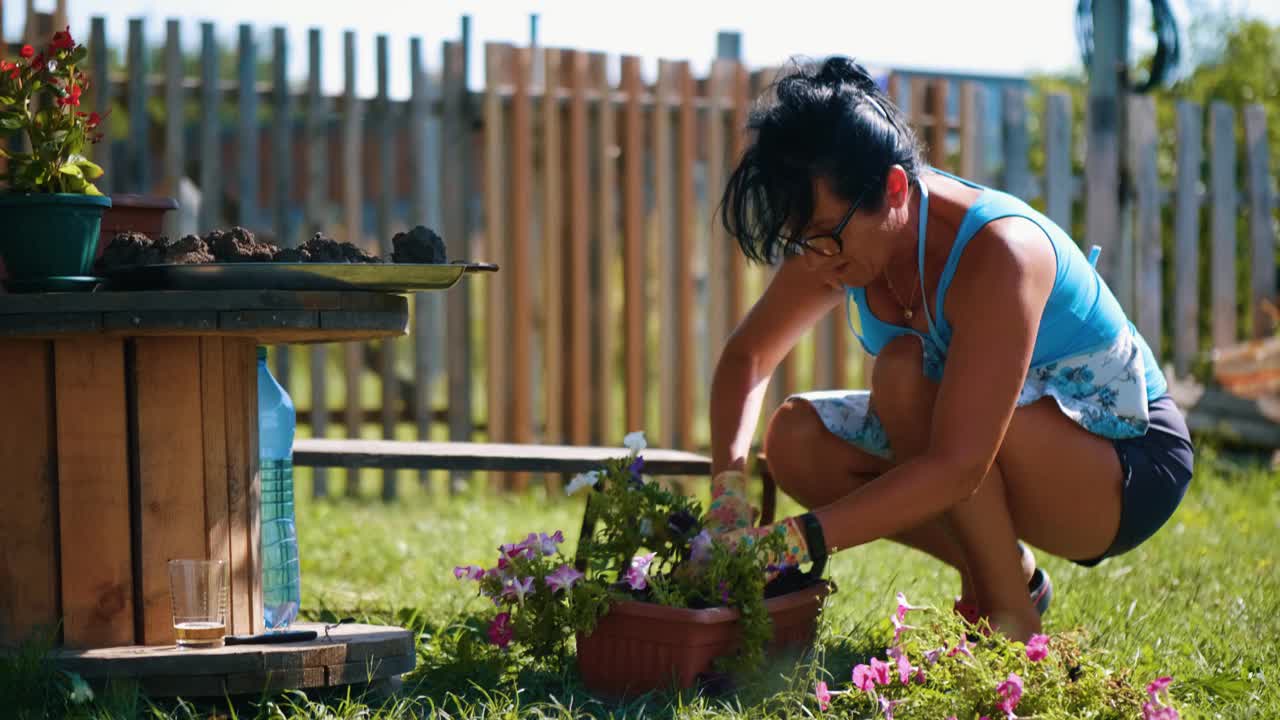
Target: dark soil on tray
x,y
238,245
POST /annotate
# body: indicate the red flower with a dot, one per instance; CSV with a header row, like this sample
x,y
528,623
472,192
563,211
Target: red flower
x,y
38,62
27,51
62,40
72,97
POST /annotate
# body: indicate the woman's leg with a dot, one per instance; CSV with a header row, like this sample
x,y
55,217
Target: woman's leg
x,y
1053,484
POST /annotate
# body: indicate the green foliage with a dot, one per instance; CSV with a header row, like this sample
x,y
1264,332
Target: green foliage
x,y
627,514
40,97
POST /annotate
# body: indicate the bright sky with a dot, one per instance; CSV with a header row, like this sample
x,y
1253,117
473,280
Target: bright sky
x,y
996,36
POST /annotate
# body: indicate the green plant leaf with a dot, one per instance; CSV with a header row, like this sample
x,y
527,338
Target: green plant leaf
x,y
90,170
72,170
10,123
91,189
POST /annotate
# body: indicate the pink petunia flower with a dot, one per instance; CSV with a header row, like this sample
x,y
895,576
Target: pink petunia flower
x,y
824,696
500,630
863,678
899,628
931,657
1010,692
637,574
518,588
887,706
1156,711
1158,687
904,607
1037,648
880,671
962,648
904,669
920,676
549,543
470,572
563,578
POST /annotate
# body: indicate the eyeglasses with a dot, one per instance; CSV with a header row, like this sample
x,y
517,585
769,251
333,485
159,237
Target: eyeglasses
x,y
826,244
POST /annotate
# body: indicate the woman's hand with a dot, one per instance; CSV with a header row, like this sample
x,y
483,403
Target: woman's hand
x,y
730,509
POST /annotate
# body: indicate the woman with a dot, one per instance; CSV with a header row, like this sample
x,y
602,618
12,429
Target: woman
x,y
1011,399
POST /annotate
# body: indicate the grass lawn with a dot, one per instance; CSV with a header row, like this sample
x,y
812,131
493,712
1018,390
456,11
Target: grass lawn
x,y
1200,602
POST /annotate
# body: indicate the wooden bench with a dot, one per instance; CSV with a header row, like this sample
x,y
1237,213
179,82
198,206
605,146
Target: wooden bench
x,y
505,457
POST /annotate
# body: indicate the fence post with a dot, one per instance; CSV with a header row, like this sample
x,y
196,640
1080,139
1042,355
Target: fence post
x,y
138,179
577,269
385,129
686,151
317,143
1017,176
425,327
1222,173
352,220
553,234
455,186
665,235
248,145
210,214
1106,206
495,223
102,99
519,305
1186,236
1057,158
1262,229
633,240
605,246
1148,251
174,123
973,161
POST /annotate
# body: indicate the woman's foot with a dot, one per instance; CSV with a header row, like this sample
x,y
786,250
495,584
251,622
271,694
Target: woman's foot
x,y
1038,585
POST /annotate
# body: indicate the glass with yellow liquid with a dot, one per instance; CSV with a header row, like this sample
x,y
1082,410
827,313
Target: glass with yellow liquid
x,y
198,592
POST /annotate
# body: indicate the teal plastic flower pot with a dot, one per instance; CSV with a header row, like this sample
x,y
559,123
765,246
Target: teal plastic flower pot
x,y
48,236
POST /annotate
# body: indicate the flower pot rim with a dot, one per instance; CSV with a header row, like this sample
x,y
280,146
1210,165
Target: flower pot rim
x,y
8,199
143,201
719,614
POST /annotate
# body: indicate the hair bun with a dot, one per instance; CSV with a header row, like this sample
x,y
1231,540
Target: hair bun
x,y
839,70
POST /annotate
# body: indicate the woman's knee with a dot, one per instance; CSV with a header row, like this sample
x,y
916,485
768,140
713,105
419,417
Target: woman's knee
x,y
791,435
899,387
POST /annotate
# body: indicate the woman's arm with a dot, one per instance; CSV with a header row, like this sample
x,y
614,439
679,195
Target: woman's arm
x,y
793,302
994,307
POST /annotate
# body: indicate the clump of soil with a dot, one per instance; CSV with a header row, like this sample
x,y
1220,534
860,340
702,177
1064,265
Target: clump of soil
x,y
239,245
188,251
419,245
132,248
323,249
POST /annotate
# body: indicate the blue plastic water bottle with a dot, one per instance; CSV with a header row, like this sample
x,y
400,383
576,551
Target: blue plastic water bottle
x,y
281,579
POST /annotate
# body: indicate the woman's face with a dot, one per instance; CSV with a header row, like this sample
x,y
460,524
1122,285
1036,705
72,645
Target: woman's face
x,y
847,245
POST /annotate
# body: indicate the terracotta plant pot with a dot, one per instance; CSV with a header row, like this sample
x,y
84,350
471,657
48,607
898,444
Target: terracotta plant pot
x,y
640,647
135,213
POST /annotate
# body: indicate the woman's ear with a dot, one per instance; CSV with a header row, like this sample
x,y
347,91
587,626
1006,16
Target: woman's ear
x,y
897,187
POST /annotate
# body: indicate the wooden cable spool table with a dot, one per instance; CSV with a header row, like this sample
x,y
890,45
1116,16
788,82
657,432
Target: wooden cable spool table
x,y
128,436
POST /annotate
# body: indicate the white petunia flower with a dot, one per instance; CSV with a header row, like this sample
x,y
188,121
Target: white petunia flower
x,y
581,480
635,441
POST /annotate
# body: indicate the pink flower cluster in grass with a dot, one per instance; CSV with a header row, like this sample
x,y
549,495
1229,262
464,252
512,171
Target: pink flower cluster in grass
x,y
870,677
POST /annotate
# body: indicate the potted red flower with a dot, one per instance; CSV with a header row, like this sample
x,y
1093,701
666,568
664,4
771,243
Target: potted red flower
x,y
51,212
651,600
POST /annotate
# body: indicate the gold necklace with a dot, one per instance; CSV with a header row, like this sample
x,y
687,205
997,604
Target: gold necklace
x,y
907,311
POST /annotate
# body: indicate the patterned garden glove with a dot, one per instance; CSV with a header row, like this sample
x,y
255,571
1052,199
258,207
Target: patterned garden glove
x,y
730,509
804,540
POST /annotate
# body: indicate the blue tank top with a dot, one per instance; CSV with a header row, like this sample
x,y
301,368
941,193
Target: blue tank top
x,y
1081,316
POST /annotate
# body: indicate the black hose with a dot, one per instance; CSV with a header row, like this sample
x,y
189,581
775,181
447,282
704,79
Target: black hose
x,y
1169,42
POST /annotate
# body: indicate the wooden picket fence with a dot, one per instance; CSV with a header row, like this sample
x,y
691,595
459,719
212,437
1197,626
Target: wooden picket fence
x,y
598,198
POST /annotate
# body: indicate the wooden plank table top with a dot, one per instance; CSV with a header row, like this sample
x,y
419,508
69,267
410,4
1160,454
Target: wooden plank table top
x,y
269,316
350,653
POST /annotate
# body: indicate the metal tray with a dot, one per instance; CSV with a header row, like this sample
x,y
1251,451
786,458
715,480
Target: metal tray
x,y
378,277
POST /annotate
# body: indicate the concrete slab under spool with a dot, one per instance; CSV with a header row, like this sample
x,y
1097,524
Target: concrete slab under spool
x,y
351,654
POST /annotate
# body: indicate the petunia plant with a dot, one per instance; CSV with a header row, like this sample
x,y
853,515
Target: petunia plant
x,y
642,542
40,97
938,666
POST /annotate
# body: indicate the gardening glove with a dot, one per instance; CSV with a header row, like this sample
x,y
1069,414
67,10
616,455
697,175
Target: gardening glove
x,y
730,509
805,541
